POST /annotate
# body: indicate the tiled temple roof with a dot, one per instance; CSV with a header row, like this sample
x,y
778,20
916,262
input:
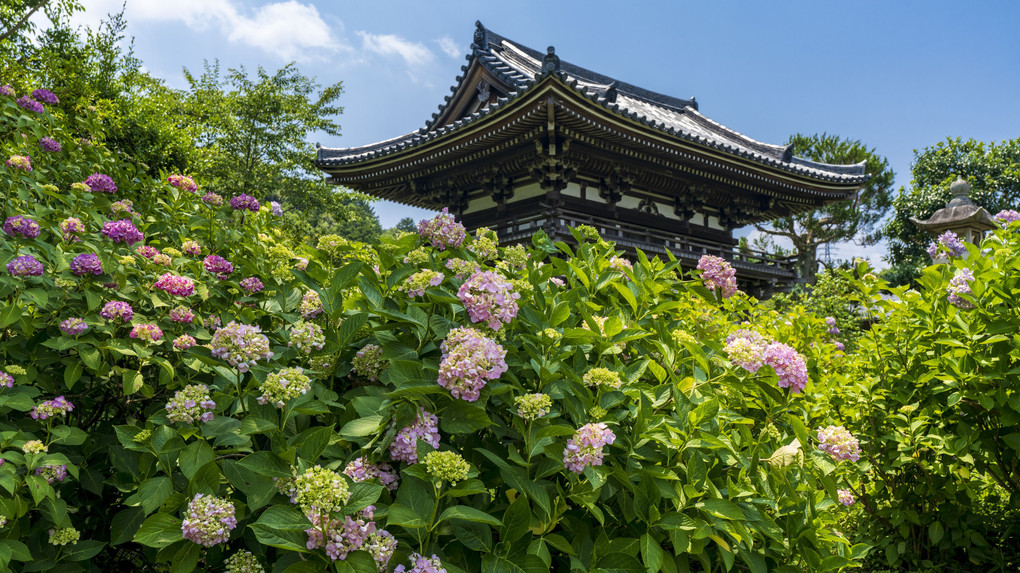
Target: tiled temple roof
x,y
520,69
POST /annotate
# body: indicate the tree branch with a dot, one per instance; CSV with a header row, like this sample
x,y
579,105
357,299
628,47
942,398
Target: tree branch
x,y
23,20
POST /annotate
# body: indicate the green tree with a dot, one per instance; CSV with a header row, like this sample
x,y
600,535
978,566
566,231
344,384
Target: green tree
x,y
993,171
850,220
254,138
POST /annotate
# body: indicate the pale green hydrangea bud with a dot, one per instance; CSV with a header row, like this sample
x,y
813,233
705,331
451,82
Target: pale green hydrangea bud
x,y
34,447
602,377
320,489
681,336
485,244
284,385
771,432
64,283
64,535
447,466
533,406
597,413
516,256
521,286
551,334
142,437
244,562
15,370
417,257
588,233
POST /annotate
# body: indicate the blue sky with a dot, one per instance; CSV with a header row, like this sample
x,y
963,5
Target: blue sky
x,y
898,76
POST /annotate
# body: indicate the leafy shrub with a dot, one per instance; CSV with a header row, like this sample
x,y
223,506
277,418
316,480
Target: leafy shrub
x,y
569,411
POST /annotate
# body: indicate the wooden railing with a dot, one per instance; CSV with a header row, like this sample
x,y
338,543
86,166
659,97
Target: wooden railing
x,y
650,240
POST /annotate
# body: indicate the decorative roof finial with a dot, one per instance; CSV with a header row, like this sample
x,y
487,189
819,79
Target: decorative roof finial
x,y
481,40
960,191
551,62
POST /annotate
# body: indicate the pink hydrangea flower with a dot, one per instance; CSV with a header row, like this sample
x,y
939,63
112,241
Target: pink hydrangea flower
x,y
846,497
839,443
718,274
175,285
184,342
620,264
360,471
442,230
746,349
585,447
489,298
183,182
218,266
22,162
212,199
405,445
191,248
147,332
469,360
146,251
182,314
122,231
789,366
73,326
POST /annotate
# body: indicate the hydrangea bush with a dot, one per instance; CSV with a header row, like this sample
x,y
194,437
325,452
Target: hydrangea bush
x,y
239,402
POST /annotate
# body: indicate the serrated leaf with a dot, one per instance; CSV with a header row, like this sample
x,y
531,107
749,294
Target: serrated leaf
x,y
470,514
159,530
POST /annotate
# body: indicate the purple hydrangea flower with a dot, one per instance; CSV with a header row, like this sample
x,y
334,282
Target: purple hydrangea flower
x,y
275,209
116,309
8,381
947,244
960,285
86,263
50,144
45,96
6,90
146,332
18,226
469,360
360,471
122,231
212,199
71,227
489,298
405,444
422,564
100,183
1007,216
846,497
243,201
218,266
442,230
718,274
585,447
184,342
181,314
23,162
30,104
252,285
52,473
190,404
58,406
73,326
25,266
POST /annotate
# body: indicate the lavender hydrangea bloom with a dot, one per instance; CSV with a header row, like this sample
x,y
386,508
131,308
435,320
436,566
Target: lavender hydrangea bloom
x,y
50,144
241,345
245,202
405,444
1007,216
209,520
252,285
360,471
212,199
18,226
6,90
585,447
947,244
190,404
58,406
116,309
122,231
960,285
183,182
718,274
70,227
489,298
275,209
45,96
25,266
422,564
442,230
469,360
746,349
30,104
100,183
85,264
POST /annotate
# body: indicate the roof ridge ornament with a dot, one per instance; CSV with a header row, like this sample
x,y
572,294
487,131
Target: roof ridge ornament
x,y
551,62
611,92
481,40
960,190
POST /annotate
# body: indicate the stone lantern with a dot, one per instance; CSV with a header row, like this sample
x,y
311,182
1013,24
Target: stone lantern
x,y
960,215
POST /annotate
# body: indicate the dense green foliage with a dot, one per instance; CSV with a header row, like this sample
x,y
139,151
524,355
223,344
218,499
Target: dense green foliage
x,y
832,295
850,220
993,171
702,473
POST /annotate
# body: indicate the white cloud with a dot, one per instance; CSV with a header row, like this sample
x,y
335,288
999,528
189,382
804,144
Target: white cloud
x,y
413,53
449,47
289,30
